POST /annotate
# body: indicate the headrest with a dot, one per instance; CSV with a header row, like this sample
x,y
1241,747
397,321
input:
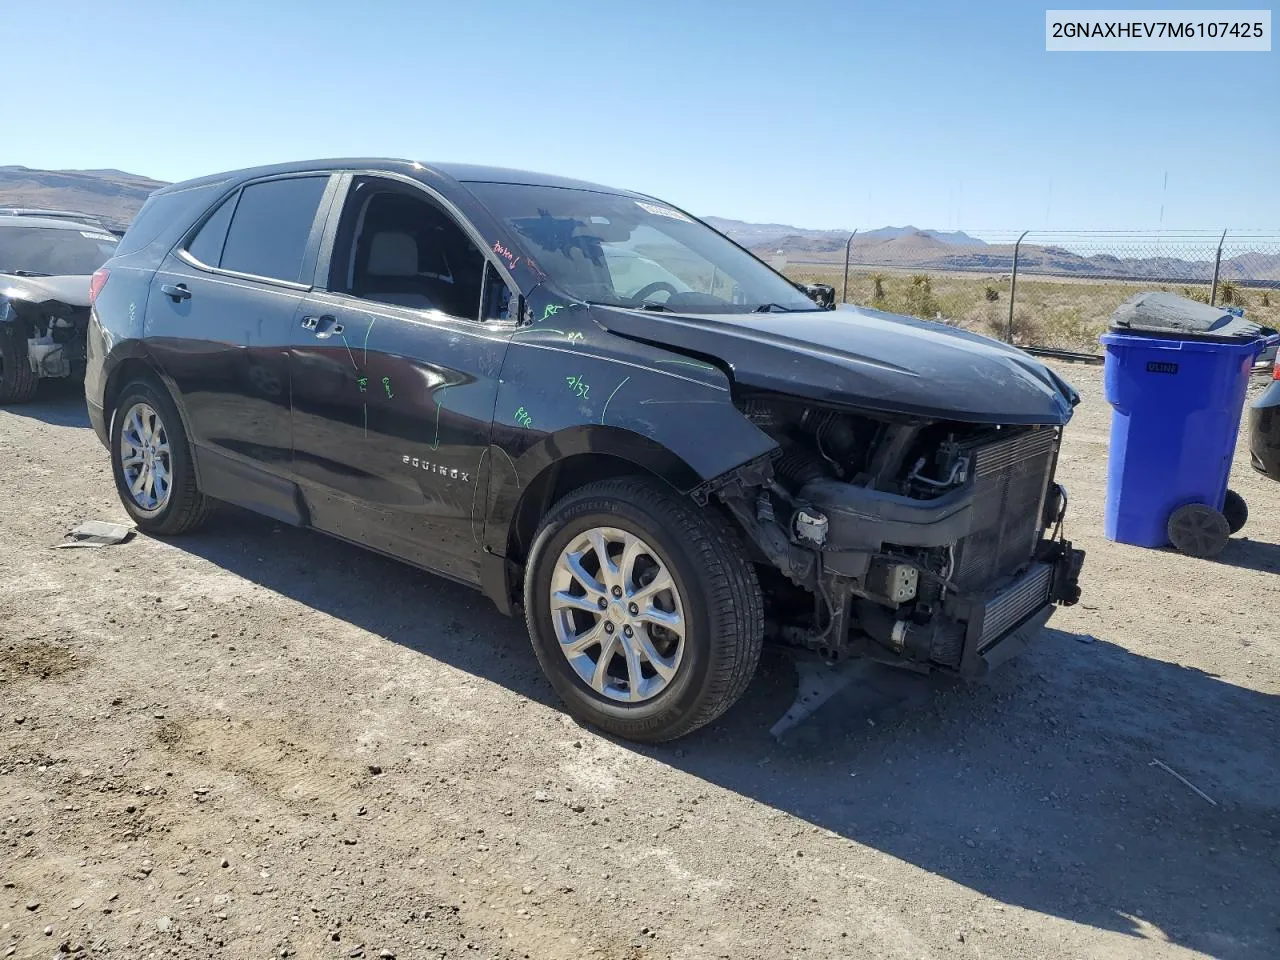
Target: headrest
x,y
393,255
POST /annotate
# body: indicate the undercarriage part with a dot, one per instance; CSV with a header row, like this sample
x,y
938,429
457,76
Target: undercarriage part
x,y
897,582
940,642
1066,577
796,563
55,337
831,641
48,359
739,481
810,528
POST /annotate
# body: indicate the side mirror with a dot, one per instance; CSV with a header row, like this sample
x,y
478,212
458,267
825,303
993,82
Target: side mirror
x,y
823,294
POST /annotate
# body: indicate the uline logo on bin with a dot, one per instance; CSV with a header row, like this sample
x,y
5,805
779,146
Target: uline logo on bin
x,y
1155,366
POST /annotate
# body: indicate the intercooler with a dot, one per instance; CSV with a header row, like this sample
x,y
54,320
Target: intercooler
x,y
1010,478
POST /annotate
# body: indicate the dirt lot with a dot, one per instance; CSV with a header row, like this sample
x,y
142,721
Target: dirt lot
x,y
258,742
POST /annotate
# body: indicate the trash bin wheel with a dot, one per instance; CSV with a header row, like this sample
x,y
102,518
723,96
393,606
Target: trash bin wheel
x,y
1198,530
1235,510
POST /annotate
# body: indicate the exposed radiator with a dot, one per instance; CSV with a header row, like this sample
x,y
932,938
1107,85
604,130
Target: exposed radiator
x,y
1022,598
1010,480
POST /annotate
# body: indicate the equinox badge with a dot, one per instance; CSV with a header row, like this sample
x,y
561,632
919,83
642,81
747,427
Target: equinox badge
x,y
451,473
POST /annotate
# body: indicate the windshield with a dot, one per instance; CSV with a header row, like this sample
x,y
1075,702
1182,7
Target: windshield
x,y
611,249
53,252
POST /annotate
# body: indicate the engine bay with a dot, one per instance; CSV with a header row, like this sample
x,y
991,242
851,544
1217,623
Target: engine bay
x,y
889,536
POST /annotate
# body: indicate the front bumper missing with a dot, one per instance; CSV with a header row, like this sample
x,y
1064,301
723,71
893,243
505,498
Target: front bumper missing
x,y
1002,624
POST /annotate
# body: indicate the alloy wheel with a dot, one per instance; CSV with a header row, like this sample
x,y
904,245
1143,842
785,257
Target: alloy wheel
x,y
617,613
145,457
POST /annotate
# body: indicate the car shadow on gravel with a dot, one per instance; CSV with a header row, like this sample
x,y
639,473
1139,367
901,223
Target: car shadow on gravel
x,y
1251,555
57,402
1036,788
1039,787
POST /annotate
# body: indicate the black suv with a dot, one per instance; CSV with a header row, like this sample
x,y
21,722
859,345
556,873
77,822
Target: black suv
x,y
590,405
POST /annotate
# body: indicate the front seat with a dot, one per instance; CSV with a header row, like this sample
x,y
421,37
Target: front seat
x,y
391,272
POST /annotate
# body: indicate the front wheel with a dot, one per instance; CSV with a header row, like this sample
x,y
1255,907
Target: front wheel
x,y
17,379
151,460
643,611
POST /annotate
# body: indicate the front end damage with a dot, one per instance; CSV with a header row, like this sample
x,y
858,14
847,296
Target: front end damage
x,y
923,543
53,332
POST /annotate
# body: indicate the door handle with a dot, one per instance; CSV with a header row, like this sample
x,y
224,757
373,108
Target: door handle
x,y
324,326
175,292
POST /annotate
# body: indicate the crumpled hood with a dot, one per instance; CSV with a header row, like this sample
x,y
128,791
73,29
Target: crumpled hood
x,y
864,358
73,291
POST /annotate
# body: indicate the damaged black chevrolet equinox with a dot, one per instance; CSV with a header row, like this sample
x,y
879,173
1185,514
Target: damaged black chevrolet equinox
x,y
591,406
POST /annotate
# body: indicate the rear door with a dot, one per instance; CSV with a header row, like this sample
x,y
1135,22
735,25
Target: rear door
x,y
395,372
221,313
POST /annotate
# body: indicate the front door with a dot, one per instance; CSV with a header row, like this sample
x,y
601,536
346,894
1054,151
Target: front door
x,y
219,320
395,372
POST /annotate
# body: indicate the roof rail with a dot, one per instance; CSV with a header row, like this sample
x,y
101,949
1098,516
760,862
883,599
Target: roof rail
x,y
54,214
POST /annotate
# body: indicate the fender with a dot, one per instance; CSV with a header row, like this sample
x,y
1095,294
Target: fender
x,y
511,478
113,380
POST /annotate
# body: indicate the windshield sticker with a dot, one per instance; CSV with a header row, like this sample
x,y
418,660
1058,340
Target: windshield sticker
x,y
660,211
97,236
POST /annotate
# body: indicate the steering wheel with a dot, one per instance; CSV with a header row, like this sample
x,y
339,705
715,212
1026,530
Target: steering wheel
x,y
649,289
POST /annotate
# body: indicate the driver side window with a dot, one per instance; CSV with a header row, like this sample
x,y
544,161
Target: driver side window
x,y
394,245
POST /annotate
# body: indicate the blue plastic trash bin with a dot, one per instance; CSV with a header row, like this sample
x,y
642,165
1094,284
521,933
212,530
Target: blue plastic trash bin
x,y
1176,375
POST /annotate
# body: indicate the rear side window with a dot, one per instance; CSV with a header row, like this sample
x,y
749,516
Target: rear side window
x,y
165,213
270,228
207,245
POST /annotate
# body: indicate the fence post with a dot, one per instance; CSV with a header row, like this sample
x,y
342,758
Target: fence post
x,y
1013,284
1217,265
844,297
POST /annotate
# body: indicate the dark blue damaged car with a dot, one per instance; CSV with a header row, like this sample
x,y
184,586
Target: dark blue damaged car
x,y
594,408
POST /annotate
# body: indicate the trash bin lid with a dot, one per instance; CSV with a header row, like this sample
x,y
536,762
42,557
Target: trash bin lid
x,y
1159,314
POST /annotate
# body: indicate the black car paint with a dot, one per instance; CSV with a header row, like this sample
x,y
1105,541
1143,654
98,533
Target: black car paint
x,y
867,359
1264,431
472,416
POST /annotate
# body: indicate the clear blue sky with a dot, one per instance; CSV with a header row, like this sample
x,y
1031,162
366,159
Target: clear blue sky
x,y
818,113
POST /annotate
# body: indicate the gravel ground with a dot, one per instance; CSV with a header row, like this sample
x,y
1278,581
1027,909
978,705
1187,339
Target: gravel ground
x,y
259,742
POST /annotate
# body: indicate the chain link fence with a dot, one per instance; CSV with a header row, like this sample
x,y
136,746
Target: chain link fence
x,y
1040,289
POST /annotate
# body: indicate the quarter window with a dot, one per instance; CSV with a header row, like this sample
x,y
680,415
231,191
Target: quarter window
x,y
270,228
206,246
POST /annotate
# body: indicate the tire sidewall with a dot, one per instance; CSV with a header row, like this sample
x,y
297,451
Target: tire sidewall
x,y
179,455
682,695
17,382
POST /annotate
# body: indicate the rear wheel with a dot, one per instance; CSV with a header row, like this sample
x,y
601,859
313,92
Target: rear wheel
x,y
151,460
1236,511
643,611
17,379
